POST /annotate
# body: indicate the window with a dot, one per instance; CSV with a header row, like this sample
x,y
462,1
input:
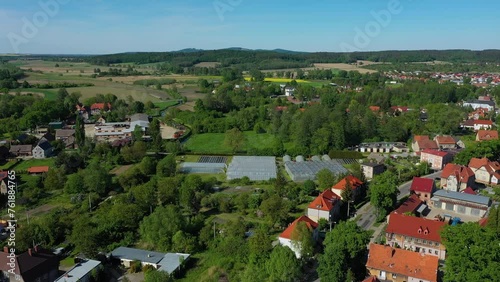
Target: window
x,y
449,206
461,209
437,244
394,276
474,212
436,253
424,242
437,204
430,251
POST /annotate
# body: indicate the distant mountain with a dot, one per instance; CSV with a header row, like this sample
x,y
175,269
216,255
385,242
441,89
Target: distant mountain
x,y
189,50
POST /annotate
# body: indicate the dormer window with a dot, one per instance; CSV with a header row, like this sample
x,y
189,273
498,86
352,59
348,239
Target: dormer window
x,y
420,230
426,231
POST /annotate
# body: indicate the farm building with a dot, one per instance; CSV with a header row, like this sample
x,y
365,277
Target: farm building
x,y
210,168
205,164
255,168
302,170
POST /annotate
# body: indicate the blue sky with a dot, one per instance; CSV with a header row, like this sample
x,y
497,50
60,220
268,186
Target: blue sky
x,y
112,26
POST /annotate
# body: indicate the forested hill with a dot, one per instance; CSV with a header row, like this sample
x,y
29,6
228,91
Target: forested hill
x,y
275,59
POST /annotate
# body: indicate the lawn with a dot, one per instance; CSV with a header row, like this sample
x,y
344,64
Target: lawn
x,y
213,143
24,165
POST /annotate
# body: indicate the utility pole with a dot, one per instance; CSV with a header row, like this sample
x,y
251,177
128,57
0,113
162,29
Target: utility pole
x,y
90,204
214,229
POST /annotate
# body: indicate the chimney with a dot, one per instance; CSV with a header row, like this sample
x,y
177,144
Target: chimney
x,y
5,249
30,252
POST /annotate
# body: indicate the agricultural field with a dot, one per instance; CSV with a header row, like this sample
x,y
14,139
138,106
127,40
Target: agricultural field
x,y
346,67
213,143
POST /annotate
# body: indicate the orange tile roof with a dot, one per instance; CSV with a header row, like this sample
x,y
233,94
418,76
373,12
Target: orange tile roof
x,y
427,144
38,169
483,122
485,135
490,166
462,173
353,181
403,262
99,106
371,279
416,227
445,139
287,234
420,137
326,200
374,108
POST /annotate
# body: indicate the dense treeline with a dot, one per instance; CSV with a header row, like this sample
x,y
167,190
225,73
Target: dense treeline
x,y
334,118
9,74
274,60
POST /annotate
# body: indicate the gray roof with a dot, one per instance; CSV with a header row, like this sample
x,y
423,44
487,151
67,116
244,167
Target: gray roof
x,y
316,158
490,103
137,254
189,167
21,148
44,145
476,199
255,168
171,262
79,271
64,132
139,117
287,158
300,171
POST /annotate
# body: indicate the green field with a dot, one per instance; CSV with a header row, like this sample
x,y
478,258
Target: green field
x,y
24,165
213,143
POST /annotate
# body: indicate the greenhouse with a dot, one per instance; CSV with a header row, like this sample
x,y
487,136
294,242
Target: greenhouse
x,y
255,168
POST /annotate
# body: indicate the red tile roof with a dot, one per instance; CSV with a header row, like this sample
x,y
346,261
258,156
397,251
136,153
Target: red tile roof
x,y
485,135
446,139
325,200
38,169
374,108
420,184
416,227
469,191
483,122
287,234
353,181
410,205
403,262
99,106
462,173
371,279
420,137
468,123
427,144
435,152
483,222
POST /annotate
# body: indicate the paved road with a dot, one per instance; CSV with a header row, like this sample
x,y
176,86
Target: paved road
x,y
367,213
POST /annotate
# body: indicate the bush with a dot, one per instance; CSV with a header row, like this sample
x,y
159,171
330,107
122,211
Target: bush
x,y
135,267
147,268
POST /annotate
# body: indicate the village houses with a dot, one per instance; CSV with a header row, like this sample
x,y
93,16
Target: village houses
x,y
485,171
486,135
398,265
416,234
326,206
286,237
457,177
437,159
423,188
